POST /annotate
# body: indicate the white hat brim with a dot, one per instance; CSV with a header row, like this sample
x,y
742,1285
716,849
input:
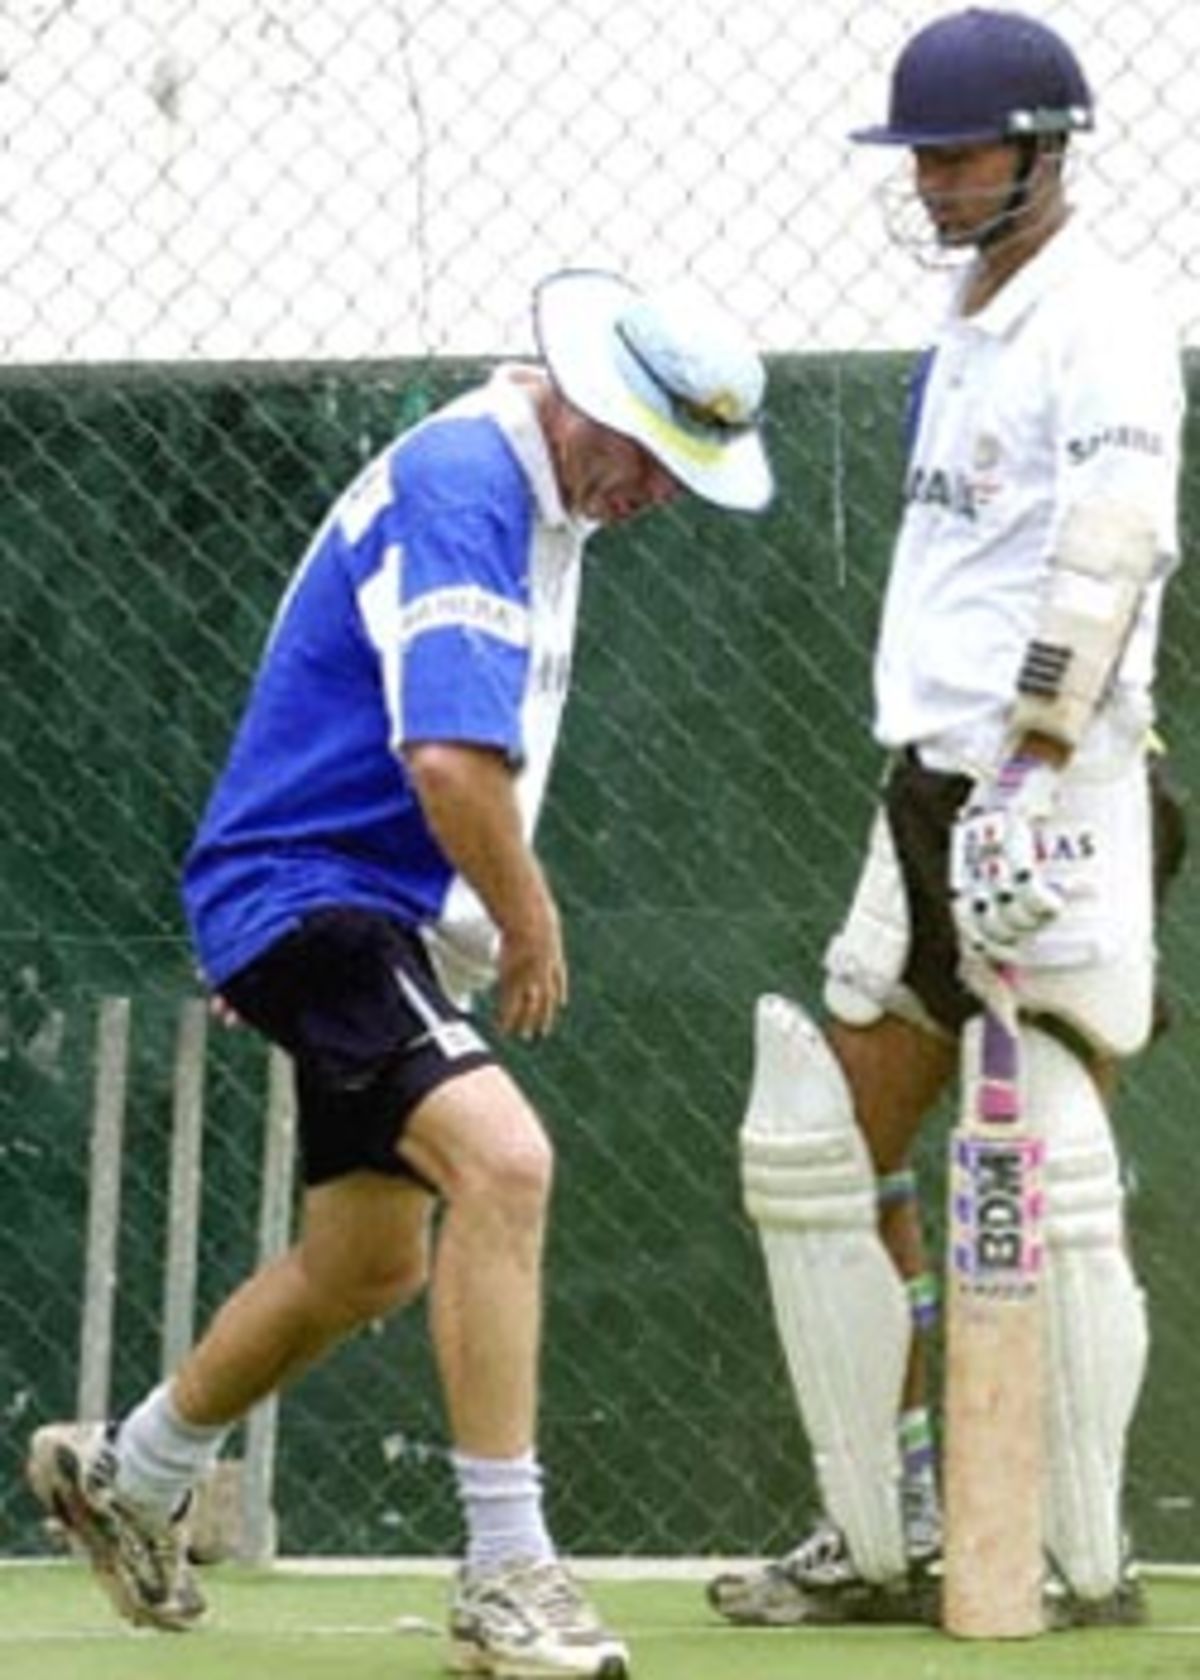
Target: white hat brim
x,y
575,319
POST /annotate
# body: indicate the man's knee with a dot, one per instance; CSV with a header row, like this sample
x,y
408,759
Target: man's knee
x,y
510,1165
359,1278
372,1292
480,1142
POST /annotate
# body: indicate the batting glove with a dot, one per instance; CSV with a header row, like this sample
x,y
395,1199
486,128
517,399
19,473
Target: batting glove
x,y
998,887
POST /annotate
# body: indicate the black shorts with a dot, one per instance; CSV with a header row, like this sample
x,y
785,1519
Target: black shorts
x,y
352,997
921,805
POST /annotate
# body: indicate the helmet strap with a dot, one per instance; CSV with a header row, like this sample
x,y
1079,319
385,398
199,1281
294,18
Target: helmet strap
x,y
1028,149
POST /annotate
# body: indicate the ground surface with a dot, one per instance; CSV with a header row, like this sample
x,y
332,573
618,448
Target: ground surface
x,y
54,1625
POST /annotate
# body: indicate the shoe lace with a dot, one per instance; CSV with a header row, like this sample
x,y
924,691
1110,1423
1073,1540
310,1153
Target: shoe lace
x,y
554,1594
826,1545
158,1546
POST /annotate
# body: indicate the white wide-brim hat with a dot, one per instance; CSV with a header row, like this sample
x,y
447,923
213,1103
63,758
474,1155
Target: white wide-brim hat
x,y
670,370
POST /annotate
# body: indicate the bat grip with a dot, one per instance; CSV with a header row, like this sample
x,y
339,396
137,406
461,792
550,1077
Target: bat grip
x,y
999,1095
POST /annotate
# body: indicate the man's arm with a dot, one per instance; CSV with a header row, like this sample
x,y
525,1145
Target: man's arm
x,y
1106,556
468,796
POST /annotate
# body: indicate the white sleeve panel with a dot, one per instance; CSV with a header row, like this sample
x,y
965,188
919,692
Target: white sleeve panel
x,y
1120,411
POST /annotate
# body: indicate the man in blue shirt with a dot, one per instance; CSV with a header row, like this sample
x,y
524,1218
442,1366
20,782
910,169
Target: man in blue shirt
x,y
365,865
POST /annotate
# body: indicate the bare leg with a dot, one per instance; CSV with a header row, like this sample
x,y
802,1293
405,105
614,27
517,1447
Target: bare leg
x,y
902,1236
480,1142
515,1608
362,1252
896,1073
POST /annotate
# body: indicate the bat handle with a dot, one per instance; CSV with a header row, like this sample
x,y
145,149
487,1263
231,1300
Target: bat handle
x,y
999,1093
1001,1003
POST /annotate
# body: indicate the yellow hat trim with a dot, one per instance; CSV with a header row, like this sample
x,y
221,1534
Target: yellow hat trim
x,y
704,451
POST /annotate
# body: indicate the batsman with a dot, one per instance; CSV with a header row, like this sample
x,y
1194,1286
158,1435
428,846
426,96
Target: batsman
x,y
1024,828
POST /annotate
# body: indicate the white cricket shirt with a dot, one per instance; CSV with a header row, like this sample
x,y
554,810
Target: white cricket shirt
x,y
1066,387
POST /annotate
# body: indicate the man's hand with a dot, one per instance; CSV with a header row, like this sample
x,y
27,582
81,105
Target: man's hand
x,y
533,976
468,796
998,887
222,1011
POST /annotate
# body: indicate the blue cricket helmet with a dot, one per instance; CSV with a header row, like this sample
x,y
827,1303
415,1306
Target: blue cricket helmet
x,y
982,75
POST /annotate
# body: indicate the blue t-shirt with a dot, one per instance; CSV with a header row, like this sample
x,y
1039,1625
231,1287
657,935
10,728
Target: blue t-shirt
x,y
409,619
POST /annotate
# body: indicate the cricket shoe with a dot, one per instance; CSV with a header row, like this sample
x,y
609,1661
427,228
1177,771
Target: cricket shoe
x,y
523,1621
139,1559
1125,1606
817,1584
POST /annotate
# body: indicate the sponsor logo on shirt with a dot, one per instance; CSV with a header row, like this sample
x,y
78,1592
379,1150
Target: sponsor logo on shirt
x,y
959,492
551,673
955,491
1137,438
467,607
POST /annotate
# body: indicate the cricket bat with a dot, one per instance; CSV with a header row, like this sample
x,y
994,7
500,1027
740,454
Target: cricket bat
x,y
992,1587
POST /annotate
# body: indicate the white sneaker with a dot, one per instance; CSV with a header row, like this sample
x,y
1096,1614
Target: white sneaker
x,y
140,1560
525,1620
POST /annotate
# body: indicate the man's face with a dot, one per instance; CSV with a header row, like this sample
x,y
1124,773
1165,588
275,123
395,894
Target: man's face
x,y
608,477
963,188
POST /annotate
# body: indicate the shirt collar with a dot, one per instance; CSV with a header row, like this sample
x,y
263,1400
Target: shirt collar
x,y
1041,275
512,399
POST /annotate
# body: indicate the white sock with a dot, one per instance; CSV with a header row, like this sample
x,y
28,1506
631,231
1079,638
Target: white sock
x,y
916,1448
502,1506
918,1486
160,1457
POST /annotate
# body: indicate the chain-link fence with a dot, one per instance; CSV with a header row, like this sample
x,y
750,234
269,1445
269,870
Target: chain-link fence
x,y
247,178
245,242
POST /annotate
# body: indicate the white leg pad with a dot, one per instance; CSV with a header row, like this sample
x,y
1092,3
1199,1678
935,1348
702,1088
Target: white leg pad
x,y
1096,1331
840,1307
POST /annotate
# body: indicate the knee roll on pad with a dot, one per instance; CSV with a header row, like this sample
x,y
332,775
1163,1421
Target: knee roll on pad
x,y
840,1307
1096,1332
864,962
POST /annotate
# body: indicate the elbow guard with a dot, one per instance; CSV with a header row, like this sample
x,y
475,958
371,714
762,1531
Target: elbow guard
x,y
1106,555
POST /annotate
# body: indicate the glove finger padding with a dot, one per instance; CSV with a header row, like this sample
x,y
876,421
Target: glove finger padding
x,y
999,893
1009,919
